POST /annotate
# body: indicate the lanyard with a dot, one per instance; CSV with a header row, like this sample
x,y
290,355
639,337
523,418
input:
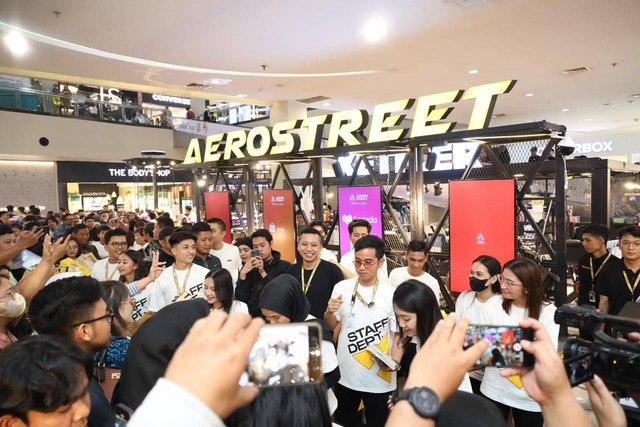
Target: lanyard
x,y
106,271
305,286
635,284
357,294
593,276
184,284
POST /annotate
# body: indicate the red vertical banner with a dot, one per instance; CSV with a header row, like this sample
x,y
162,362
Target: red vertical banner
x,y
482,221
217,205
279,219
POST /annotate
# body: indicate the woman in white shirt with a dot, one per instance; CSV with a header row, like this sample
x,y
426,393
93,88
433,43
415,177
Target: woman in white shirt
x,y
218,291
418,311
484,283
522,297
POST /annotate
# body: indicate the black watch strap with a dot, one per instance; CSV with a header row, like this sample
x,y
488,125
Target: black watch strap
x,y
424,401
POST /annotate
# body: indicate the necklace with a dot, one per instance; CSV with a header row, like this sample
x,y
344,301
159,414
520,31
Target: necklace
x,y
184,284
357,294
305,286
106,271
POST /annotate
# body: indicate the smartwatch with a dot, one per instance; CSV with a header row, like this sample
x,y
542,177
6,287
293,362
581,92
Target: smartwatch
x,y
423,400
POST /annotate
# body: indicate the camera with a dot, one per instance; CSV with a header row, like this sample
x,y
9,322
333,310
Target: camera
x,y
566,146
616,362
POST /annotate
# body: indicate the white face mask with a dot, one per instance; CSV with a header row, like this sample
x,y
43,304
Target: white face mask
x,y
14,307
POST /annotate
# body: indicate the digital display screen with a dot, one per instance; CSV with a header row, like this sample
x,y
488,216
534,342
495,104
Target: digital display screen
x,y
481,222
359,203
278,217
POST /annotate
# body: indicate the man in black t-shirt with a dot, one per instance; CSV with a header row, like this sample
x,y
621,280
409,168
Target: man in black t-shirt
x,y
617,284
594,241
319,277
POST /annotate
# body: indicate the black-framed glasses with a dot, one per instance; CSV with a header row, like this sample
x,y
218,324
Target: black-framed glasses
x,y
108,317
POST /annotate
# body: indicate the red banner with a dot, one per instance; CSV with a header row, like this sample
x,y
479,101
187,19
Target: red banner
x,y
217,205
482,222
279,219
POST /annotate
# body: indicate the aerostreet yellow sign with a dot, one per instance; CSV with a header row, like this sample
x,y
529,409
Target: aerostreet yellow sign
x,y
265,141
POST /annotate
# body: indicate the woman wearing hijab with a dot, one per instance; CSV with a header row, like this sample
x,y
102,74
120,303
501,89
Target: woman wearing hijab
x,y
283,301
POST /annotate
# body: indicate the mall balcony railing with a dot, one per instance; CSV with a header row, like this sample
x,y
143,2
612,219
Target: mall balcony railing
x,y
74,106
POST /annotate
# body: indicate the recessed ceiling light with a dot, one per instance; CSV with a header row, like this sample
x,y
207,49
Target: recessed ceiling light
x,y
217,81
589,120
375,29
564,110
16,43
241,95
326,104
473,71
635,95
529,94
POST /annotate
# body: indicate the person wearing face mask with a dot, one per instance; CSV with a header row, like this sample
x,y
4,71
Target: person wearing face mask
x,y
12,307
483,279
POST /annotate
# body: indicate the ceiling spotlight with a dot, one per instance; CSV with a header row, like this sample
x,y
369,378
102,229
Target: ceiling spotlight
x,y
326,104
241,95
16,43
635,95
473,71
430,163
529,94
564,110
375,30
201,183
589,120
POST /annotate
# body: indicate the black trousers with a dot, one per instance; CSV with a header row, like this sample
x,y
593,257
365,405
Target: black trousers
x,y
375,407
475,386
521,418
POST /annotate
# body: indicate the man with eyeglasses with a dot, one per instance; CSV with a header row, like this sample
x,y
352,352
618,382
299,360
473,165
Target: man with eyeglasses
x,y
363,308
359,228
617,283
73,309
115,241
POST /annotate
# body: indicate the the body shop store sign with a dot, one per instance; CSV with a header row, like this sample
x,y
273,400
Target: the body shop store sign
x,y
358,203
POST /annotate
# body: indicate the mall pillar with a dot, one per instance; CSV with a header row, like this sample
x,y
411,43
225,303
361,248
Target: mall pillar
x,y
561,235
416,185
154,176
196,195
249,179
317,188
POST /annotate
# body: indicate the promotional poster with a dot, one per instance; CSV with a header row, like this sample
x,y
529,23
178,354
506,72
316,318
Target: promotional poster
x,y
278,216
358,203
217,205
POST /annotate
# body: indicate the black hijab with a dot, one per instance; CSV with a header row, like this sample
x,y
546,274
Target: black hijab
x,y
153,346
284,295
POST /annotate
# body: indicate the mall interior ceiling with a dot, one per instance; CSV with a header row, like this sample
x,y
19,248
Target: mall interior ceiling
x,y
351,54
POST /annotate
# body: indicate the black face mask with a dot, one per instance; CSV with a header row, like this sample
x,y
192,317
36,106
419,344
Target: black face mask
x,y
478,285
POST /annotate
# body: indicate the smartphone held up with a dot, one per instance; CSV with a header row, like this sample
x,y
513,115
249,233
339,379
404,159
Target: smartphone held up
x,y
287,354
505,350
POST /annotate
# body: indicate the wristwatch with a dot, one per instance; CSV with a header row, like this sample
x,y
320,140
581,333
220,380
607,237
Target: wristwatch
x,y
423,400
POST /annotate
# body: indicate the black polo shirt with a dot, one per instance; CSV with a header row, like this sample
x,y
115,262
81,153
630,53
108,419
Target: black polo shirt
x,y
210,262
585,274
612,284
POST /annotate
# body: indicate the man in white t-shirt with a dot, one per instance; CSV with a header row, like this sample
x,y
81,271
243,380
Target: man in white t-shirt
x,y
363,308
359,228
115,241
228,254
416,256
183,280
189,215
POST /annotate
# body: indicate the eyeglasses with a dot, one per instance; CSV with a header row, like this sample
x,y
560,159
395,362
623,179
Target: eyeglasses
x,y
368,263
131,301
509,283
626,243
108,317
118,244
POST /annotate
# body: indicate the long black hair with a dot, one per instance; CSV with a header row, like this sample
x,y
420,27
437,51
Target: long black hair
x,y
223,286
493,266
114,294
414,296
138,259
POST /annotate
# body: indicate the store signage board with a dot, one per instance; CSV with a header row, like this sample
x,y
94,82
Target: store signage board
x,y
168,100
358,203
115,172
489,230
262,141
278,218
217,205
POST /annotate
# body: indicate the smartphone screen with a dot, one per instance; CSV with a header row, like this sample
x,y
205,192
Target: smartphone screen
x,y
579,369
505,349
285,355
255,253
122,414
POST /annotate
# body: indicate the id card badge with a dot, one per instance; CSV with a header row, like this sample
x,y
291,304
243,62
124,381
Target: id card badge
x,y
351,320
592,297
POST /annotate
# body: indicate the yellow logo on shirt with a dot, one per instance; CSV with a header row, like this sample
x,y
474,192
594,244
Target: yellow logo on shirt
x,y
366,359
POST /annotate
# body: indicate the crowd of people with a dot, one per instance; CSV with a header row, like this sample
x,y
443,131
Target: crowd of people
x,y
175,311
